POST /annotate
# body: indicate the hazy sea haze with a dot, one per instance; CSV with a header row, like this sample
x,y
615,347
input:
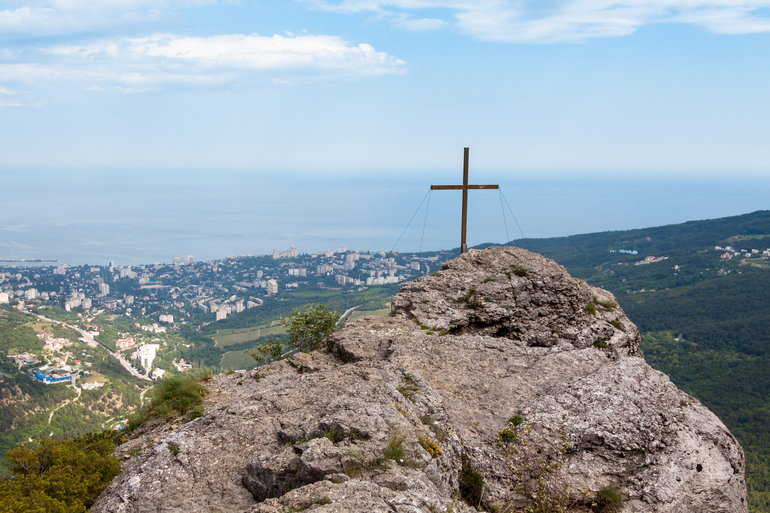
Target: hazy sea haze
x,y
136,217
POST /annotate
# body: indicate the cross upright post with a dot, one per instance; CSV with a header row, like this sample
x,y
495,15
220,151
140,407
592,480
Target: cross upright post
x,y
464,187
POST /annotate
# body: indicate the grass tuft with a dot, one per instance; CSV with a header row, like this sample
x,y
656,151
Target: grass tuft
x,y
395,448
609,500
472,299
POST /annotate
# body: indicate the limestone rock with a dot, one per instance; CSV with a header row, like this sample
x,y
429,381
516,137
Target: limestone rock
x,y
496,334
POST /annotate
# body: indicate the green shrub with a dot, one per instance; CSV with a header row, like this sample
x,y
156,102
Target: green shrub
x,y
408,389
609,500
519,271
429,445
307,329
618,325
600,344
471,482
606,305
269,351
174,397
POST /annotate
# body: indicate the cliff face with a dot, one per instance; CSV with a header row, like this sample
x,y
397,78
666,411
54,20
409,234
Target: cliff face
x,y
496,335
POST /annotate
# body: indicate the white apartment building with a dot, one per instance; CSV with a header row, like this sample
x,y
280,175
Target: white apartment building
x,y
272,287
146,354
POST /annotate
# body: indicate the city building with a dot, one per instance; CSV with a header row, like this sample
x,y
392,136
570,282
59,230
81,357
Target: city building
x,y
146,354
125,343
272,287
291,253
104,289
183,260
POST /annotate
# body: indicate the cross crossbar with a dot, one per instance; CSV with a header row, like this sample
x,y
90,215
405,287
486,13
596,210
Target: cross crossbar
x,y
464,187
461,187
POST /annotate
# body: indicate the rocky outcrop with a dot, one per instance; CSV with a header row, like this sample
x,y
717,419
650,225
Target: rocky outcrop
x,y
412,412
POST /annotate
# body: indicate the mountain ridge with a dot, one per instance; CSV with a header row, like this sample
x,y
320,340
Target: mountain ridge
x,y
500,347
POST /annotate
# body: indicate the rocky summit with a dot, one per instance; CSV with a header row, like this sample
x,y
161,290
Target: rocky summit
x,y
498,383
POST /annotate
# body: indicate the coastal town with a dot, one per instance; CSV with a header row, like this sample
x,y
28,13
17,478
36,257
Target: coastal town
x,y
143,315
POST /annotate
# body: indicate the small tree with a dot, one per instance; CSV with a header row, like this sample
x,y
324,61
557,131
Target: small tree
x,y
307,329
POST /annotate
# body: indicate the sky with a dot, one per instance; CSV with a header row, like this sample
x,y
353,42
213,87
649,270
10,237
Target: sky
x,y
369,85
127,96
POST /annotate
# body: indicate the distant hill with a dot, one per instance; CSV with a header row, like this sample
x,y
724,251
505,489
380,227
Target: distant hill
x,y
704,314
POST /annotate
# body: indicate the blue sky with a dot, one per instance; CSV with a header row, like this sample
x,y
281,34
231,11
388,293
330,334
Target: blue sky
x,y
368,86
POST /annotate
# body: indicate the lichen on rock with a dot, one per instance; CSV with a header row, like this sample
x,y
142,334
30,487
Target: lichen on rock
x,y
495,334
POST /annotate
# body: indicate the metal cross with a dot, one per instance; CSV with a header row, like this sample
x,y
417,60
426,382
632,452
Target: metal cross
x,y
464,187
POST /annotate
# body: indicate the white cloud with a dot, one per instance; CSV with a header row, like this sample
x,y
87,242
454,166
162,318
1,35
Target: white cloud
x,y
422,24
5,91
57,17
144,63
546,21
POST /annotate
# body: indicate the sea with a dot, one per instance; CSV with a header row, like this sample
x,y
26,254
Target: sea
x,y
135,217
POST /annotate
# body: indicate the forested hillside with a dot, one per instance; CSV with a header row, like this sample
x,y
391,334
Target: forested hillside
x,y
30,409
703,312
